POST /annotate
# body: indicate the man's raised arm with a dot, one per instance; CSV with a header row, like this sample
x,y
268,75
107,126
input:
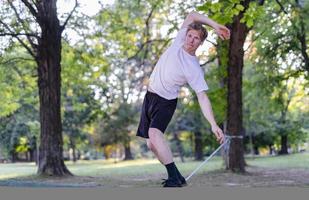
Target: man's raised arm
x,y
222,31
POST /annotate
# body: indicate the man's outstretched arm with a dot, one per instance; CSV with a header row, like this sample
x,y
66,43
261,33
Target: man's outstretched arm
x,y
222,31
208,113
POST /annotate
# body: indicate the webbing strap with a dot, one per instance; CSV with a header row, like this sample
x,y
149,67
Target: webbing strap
x,y
225,144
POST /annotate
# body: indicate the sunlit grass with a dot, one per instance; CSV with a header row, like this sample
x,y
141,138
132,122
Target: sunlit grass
x,y
13,170
300,160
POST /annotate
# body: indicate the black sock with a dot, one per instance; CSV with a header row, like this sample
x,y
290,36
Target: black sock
x,y
171,170
178,173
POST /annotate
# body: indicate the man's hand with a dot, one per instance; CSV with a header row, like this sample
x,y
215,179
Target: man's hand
x,y
218,133
222,32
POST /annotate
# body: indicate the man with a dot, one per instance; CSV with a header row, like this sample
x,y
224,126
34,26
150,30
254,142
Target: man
x,y
177,66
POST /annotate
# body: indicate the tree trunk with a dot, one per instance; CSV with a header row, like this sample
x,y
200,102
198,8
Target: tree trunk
x,y
74,153
32,149
27,156
179,146
234,113
14,156
49,82
301,35
198,146
284,145
256,150
73,147
127,151
270,147
31,153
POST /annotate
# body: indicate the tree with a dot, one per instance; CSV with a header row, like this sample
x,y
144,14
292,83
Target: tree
x,y
239,15
35,25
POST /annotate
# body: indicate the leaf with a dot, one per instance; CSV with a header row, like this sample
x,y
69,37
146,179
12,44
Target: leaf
x,y
250,22
240,7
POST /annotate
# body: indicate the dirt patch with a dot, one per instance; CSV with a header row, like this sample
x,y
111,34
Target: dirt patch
x,y
254,177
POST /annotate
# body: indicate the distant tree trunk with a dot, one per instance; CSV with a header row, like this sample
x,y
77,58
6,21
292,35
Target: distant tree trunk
x,y
256,150
198,155
31,155
32,148
239,32
179,146
73,147
27,156
127,151
49,82
106,151
284,145
74,153
270,147
14,156
78,154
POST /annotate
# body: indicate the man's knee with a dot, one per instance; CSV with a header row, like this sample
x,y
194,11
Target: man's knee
x,y
155,134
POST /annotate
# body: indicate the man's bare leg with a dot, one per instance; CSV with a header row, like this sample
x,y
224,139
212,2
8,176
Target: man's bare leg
x,y
157,144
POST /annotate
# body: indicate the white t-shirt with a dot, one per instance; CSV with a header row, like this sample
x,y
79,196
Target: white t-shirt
x,y
175,68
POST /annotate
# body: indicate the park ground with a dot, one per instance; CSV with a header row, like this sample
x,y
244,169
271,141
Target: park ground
x,y
273,171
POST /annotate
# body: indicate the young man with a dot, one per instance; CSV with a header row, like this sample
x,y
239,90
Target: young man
x,y
177,66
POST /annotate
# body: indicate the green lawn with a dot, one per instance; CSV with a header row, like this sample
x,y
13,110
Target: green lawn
x,y
300,160
107,168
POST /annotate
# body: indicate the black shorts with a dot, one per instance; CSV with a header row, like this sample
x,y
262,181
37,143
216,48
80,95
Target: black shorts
x,y
157,112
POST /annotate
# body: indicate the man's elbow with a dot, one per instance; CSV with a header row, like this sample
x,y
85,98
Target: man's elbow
x,y
201,95
192,15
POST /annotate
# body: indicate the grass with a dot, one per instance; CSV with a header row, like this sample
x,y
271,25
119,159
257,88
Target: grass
x,y
142,166
300,160
107,168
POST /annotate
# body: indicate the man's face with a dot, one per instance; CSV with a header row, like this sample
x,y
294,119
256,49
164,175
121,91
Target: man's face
x,y
193,40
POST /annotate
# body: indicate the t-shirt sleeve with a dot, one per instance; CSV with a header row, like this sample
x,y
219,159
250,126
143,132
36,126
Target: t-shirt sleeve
x,y
180,38
196,80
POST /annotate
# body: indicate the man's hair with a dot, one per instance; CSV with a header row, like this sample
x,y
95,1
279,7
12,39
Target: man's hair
x,y
198,27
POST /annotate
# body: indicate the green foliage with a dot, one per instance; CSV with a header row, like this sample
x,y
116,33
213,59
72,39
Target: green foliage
x,y
79,105
253,12
269,110
118,125
16,80
278,41
19,101
223,11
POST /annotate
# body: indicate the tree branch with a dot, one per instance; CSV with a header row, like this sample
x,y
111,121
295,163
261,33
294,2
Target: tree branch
x,y
215,45
22,22
15,60
301,36
254,41
209,61
147,33
31,8
144,44
16,36
281,7
69,16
